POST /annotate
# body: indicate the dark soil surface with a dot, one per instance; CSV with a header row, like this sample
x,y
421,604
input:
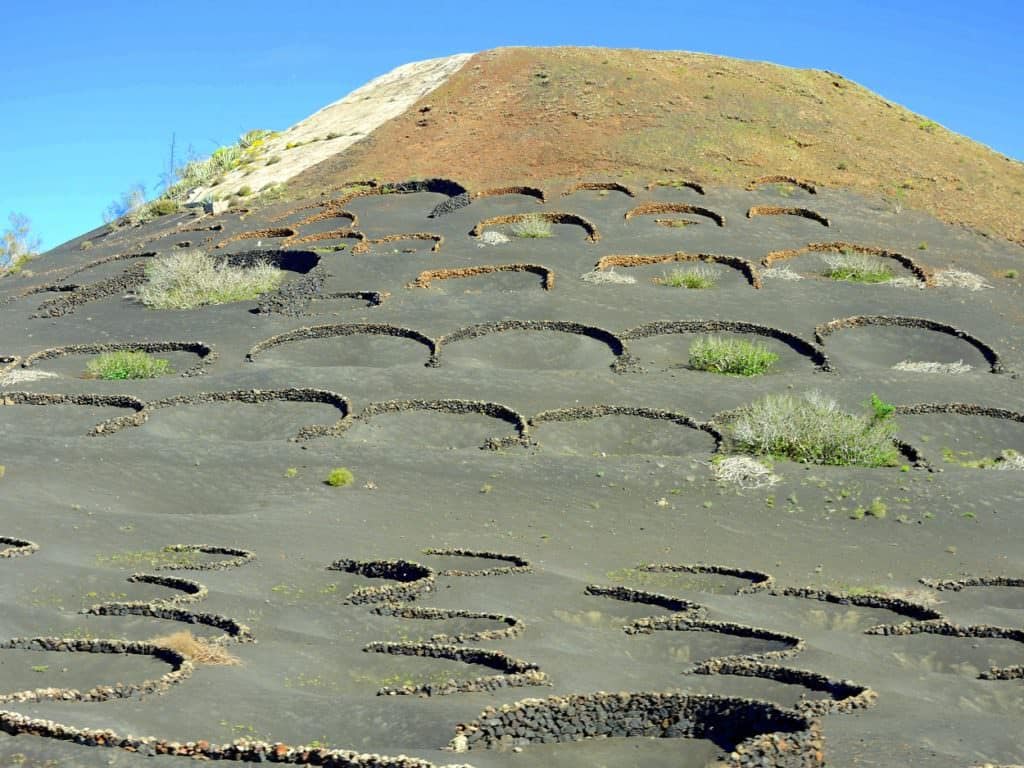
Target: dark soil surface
x,y
585,500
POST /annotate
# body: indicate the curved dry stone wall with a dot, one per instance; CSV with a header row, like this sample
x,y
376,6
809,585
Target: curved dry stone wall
x,y
257,234
824,330
14,547
334,234
514,673
759,581
256,396
344,329
661,328
65,304
677,184
134,419
200,349
236,557
170,608
456,407
599,186
593,235
949,629
919,271
426,277
898,605
330,212
679,622
754,733
804,184
536,192
516,564
748,269
413,580
844,695
585,412
652,209
363,246
780,210
966,582
181,668
623,359
513,626
658,600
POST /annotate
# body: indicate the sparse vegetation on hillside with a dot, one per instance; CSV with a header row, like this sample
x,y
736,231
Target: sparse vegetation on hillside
x,y
532,226
733,357
697,277
193,279
127,364
856,268
811,428
18,244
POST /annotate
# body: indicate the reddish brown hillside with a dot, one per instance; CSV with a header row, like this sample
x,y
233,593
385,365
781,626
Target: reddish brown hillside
x,y
539,114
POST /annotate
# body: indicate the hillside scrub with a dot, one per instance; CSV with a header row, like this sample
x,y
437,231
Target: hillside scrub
x,y
193,279
811,429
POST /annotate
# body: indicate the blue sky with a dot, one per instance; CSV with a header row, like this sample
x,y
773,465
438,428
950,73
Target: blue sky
x,y
92,92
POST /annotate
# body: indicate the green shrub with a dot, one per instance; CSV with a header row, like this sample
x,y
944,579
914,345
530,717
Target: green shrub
x,y
164,207
877,509
857,268
193,279
811,428
734,357
127,364
340,477
697,277
532,226
244,191
1011,274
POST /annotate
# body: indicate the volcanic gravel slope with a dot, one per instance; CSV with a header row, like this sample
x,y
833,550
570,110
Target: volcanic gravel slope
x,y
534,517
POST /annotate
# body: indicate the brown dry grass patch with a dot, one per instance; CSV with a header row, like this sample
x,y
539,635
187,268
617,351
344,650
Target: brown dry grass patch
x,y
198,650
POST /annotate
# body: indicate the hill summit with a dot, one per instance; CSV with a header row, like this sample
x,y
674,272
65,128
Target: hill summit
x,y
515,115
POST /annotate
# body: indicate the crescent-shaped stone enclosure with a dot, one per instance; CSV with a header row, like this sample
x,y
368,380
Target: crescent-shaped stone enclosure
x,y
782,737
514,563
329,212
15,547
825,330
759,580
599,186
623,360
593,235
200,349
535,192
747,268
513,627
652,209
363,246
643,597
129,279
921,272
677,184
346,329
425,278
413,579
781,210
257,396
590,412
269,233
962,409
804,184
513,672
794,342
127,402
333,234
456,407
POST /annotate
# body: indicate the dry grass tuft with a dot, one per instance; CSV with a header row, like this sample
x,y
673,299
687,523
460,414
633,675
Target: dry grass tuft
x,y
198,650
921,366
744,472
193,279
780,273
608,277
960,278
